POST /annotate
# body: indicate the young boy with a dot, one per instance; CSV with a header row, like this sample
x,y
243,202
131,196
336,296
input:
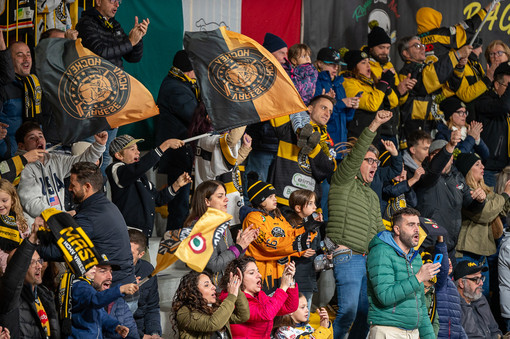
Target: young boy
x,y
146,316
134,195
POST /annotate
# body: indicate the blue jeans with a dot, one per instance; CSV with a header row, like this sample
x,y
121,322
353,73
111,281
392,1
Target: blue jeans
x,y
351,286
467,256
260,161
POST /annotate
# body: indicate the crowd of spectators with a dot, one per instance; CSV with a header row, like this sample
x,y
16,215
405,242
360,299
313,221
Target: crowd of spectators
x,y
390,192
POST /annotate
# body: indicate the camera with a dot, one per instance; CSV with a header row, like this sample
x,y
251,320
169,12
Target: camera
x,y
322,263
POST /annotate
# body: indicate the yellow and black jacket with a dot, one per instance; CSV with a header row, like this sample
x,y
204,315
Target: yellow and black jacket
x,y
440,40
374,98
292,171
434,80
475,82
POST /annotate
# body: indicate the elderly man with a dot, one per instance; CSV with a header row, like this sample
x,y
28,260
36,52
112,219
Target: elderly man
x,y
395,291
477,318
354,219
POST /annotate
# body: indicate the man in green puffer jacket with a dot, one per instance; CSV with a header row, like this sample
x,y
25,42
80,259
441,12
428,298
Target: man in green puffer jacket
x,y
395,281
354,219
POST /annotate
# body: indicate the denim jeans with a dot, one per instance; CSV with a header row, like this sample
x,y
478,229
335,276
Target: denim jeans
x,y
260,161
351,286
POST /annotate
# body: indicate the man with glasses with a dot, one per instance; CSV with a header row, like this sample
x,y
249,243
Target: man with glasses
x,y
477,318
354,219
492,110
38,317
419,110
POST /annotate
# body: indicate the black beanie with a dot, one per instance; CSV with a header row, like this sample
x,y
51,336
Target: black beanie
x,y
450,105
273,42
181,61
353,57
465,161
378,36
259,191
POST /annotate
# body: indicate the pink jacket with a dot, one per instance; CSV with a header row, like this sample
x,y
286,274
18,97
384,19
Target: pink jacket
x,y
263,309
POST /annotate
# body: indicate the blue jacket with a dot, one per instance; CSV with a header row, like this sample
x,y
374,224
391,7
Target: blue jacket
x,y
465,146
337,124
120,311
147,315
89,318
447,300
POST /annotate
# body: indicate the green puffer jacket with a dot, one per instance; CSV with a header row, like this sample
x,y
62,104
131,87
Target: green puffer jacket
x,y
395,296
195,324
354,208
475,235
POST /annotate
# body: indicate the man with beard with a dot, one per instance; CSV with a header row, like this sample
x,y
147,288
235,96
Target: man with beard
x,y
101,220
90,294
38,317
395,292
477,318
378,48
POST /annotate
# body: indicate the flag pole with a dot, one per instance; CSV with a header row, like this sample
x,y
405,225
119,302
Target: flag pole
x,y
479,29
198,137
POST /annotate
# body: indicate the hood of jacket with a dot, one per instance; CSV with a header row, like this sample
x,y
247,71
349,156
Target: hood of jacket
x,y
386,237
409,161
428,19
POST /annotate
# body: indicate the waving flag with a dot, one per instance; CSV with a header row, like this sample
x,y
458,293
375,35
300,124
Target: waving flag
x,y
240,81
192,247
88,93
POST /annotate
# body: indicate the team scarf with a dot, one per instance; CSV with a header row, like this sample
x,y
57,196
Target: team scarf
x,y
78,250
65,303
178,74
10,237
32,95
43,316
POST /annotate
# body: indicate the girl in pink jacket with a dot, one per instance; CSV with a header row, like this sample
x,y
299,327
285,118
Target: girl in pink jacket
x,y
263,309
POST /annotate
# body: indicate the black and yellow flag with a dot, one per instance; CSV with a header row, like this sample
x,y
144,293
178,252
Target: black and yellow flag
x,y
87,92
240,81
78,250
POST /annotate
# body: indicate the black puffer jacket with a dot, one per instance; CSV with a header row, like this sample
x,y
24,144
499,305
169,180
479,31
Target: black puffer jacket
x,y
11,284
492,112
29,323
110,43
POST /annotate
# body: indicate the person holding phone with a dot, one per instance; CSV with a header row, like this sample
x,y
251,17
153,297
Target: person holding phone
x,y
395,276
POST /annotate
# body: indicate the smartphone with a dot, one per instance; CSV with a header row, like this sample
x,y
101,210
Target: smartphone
x,y
359,94
438,258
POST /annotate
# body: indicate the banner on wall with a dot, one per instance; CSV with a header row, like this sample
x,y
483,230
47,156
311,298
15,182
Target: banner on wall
x,y
345,24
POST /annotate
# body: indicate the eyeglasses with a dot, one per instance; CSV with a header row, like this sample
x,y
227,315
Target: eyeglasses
x,y
33,262
371,161
498,53
502,84
114,1
461,113
417,46
476,280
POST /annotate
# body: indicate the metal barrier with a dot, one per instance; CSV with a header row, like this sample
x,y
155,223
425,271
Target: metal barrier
x,y
37,18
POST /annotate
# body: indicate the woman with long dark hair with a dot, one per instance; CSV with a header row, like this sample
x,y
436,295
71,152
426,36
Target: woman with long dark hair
x,y
198,312
263,308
